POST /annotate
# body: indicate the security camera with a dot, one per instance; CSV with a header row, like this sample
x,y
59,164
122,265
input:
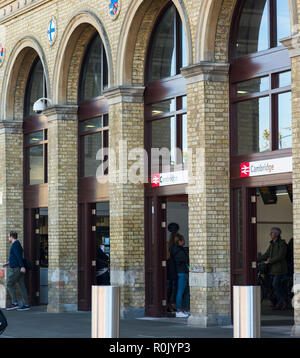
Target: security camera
x,y
40,105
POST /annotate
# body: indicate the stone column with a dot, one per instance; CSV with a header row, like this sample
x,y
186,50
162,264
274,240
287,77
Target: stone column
x,y
62,210
293,45
126,132
209,193
11,191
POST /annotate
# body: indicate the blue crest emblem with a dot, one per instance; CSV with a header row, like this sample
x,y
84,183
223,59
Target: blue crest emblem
x,y
114,8
1,54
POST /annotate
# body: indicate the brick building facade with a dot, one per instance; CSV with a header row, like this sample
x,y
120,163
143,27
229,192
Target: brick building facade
x,y
204,81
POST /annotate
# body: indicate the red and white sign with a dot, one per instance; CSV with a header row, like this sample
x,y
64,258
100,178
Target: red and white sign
x,y
172,178
266,167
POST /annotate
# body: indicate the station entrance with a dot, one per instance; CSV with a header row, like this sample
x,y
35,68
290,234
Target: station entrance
x,y
164,215
255,211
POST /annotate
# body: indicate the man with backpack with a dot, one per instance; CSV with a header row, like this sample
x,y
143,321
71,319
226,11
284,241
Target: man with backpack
x,y
15,274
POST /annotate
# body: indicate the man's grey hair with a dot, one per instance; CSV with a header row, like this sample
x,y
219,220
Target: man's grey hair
x,y
277,230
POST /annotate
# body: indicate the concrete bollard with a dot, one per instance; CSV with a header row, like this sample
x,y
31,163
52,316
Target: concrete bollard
x,y
105,312
246,311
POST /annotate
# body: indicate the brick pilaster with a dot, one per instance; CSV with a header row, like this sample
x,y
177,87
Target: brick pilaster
x,y
209,194
11,190
63,230
126,113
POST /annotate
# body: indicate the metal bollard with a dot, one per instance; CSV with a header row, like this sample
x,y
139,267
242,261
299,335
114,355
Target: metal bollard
x,y
246,311
105,312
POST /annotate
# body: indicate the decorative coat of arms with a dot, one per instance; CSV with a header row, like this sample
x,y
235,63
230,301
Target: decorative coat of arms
x,y
2,53
114,8
52,31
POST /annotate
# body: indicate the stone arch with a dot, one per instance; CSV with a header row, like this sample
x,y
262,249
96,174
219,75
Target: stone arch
x,y
135,35
70,54
15,79
214,25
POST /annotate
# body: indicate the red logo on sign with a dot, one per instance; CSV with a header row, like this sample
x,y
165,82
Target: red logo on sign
x,y
155,180
245,170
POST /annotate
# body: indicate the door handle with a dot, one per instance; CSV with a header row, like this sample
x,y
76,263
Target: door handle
x,y
254,266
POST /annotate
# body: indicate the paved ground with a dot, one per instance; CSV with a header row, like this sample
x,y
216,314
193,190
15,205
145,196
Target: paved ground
x,y
37,323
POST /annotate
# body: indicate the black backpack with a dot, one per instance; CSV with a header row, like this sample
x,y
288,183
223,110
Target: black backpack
x,y
3,322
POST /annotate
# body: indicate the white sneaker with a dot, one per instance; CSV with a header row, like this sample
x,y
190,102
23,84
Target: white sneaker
x,y
181,315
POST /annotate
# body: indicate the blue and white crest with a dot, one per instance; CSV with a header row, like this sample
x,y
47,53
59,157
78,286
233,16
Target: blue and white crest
x,y
2,53
114,8
51,32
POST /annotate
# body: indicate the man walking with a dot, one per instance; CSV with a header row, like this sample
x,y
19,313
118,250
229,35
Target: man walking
x,y
275,258
16,273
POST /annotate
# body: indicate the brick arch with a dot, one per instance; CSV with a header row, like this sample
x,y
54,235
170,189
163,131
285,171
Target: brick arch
x,y
214,25
135,35
16,76
72,48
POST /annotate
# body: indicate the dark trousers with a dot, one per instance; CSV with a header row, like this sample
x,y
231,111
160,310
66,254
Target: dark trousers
x,y
171,291
16,277
279,288
104,279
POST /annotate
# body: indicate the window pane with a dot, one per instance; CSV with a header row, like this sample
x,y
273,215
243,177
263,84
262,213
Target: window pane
x,y
34,138
184,139
167,126
285,120
163,107
36,166
184,47
253,123
92,73
105,120
285,79
92,144
253,31
252,86
283,20
163,57
35,87
90,124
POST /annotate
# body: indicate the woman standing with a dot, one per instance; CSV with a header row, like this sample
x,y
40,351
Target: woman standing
x,y
182,261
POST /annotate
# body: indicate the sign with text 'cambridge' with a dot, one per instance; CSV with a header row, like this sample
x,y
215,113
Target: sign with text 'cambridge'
x,y
172,178
267,167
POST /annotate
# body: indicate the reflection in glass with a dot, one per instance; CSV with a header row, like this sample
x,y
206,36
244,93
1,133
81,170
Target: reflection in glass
x,y
163,107
253,123
167,126
90,124
285,79
35,88
36,165
283,20
163,57
92,144
184,139
252,86
94,72
285,120
34,138
253,28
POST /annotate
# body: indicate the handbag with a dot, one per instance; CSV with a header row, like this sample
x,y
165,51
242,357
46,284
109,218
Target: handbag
x,y
3,322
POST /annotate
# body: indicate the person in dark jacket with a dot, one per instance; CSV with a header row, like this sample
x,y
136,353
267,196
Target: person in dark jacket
x,y
102,267
15,274
171,275
275,258
182,261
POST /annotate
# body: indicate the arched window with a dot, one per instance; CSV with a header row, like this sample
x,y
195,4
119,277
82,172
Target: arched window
x,y
93,110
36,87
35,128
165,96
261,117
262,23
94,73
168,50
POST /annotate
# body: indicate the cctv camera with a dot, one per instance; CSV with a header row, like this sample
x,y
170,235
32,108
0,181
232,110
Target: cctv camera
x,y
40,105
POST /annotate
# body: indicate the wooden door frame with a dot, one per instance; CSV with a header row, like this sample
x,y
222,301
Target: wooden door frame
x,y
157,273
